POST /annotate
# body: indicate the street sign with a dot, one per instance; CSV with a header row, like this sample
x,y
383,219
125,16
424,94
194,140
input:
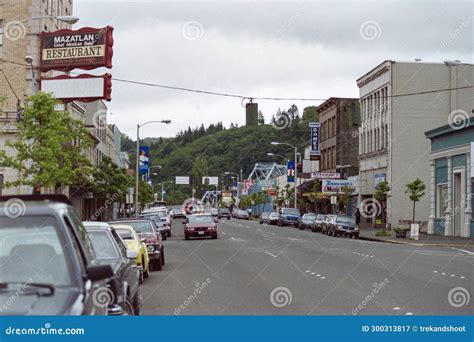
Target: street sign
x,y
210,180
333,199
290,171
314,138
143,159
85,88
415,231
182,180
326,175
86,48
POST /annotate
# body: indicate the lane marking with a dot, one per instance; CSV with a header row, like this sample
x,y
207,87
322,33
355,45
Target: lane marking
x,y
273,255
465,251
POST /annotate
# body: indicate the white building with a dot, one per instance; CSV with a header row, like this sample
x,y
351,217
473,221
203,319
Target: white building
x,y
399,102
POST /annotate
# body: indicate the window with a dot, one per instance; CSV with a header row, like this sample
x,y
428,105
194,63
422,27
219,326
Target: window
x,y
441,199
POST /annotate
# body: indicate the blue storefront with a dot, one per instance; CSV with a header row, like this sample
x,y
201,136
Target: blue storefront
x,y
452,171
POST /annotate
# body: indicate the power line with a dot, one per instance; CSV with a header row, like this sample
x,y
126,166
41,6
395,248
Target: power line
x,y
9,84
243,97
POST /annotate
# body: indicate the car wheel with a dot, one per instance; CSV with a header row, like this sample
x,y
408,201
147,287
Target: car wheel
x,y
162,255
228,218
214,237
157,264
140,277
136,304
163,237
356,236
186,237
128,307
169,233
145,273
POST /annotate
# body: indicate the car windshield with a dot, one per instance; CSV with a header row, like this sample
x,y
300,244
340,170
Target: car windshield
x,y
309,216
345,219
274,214
225,211
291,211
320,217
242,212
32,251
201,219
140,226
103,245
125,234
155,217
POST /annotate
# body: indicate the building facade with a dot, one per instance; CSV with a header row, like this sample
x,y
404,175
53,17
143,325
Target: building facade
x,y
451,180
16,78
399,102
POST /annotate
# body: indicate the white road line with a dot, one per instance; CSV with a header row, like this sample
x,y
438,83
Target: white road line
x,y
273,255
465,251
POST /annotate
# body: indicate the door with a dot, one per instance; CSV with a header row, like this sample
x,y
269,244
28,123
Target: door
x,y
458,206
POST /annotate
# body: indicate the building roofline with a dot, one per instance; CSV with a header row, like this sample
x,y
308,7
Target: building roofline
x,y
329,101
445,129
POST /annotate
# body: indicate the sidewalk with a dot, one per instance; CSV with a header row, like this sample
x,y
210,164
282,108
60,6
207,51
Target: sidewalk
x,y
425,239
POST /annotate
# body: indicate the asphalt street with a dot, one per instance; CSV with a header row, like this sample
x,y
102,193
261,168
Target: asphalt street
x,y
254,269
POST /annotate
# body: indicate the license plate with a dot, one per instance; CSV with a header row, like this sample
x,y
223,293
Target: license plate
x,y
200,233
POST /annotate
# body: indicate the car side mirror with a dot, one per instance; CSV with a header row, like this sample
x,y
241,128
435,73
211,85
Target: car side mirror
x,y
185,221
131,254
99,272
143,240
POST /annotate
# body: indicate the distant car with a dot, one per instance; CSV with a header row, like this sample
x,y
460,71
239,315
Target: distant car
x,y
318,222
179,213
344,225
214,211
326,223
307,221
147,230
47,261
161,220
223,213
110,250
265,218
132,241
273,218
200,225
289,217
242,214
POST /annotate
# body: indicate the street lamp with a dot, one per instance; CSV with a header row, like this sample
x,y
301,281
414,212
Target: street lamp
x,y
296,167
68,19
276,155
167,122
163,188
238,183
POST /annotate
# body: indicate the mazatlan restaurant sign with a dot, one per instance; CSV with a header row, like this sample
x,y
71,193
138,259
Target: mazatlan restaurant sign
x,y
86,48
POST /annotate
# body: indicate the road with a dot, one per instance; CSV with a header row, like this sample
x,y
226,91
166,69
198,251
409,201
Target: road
x,y
255,269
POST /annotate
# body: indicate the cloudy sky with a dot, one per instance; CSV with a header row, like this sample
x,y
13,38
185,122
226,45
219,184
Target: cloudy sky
x,y
261,49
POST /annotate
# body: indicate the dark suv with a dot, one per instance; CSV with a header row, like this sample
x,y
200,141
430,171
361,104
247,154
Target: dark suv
x,y
149,233
47,259
289,217
224,212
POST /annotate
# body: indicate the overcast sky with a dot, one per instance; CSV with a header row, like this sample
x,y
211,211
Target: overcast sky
x,y
266,49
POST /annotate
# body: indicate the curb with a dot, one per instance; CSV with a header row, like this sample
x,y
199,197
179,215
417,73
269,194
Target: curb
x,y
409,243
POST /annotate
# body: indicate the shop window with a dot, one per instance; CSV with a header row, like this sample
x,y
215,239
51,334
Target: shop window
x,y
441,199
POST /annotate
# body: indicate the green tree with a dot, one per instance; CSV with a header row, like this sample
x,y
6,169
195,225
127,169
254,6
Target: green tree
x,y
415,191
110,180
199,170
48,151
345,196
145,193
381,191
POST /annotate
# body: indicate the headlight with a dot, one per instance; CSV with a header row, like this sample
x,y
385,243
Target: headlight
x,y
340,227
150,248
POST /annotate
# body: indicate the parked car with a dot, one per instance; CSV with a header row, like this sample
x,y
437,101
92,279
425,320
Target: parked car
x,y
161,220
318,222
242,214
344,225
265,218
131,239
110,250
214,212
223,212
274,218
200,225
47,259
147,230
307,221
179,213
326,223
289,217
